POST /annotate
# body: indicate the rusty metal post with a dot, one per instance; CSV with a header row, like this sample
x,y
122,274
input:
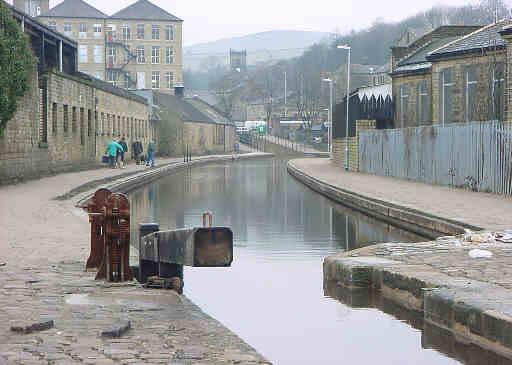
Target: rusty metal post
x,y
95,207
116,260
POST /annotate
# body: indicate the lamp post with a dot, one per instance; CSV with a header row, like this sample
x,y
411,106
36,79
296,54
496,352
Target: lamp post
x,y
346,47
329,138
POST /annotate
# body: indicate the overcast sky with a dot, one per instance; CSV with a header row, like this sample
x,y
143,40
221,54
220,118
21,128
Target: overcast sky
x,y
212,20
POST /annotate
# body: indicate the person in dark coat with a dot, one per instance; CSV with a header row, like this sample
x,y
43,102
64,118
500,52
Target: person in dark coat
x,y
123,152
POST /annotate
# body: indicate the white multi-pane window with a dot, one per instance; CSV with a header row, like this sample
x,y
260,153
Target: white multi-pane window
x,y
140,54
111,56
98,54
126,32
155,55
155,32
99,75
83,31
82,53
169,55
404,104
97,31
68,29
446,89
422,104
470,91
52,26
155,79
140,31
169,78
169,33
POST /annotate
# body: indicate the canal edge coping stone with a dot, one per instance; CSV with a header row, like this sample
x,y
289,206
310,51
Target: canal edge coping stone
x,y
427,225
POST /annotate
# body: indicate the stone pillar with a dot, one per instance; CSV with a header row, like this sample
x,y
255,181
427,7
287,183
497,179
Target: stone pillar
x,y
506,34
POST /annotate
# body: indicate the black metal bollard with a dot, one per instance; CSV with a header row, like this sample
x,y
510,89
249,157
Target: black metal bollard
x,y
146,268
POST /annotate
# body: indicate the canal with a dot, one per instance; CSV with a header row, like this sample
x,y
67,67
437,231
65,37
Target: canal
x,y
273,296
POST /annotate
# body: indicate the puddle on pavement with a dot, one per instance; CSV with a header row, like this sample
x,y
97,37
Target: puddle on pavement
x,y
130,303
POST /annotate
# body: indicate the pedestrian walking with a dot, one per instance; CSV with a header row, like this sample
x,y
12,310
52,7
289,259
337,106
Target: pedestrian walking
x,y
112,148
138,151
123,152
151,150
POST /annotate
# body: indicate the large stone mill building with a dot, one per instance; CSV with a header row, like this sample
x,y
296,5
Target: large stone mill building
x,y
139,47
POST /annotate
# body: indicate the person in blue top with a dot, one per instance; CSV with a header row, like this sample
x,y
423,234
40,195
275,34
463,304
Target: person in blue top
x,y
151,150
111,151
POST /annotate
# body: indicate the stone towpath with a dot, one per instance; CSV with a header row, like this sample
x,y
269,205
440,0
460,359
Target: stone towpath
x,y
487,211
43,247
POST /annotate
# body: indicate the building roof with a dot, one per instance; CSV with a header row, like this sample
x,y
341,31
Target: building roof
x,y
145,10
108,87
20,15
187,111
213,113
375,91
420,56
74,9
482,38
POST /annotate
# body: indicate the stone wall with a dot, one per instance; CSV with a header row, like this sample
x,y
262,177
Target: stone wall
x,y
64,123
208,138
459,66
412,82
338,146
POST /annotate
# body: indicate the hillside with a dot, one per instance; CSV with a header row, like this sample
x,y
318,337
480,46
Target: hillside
x,y
261,47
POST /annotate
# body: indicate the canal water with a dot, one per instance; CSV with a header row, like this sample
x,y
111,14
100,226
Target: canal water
x,y
273,296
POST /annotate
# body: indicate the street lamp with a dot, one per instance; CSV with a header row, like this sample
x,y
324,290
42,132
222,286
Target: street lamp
x,y
346,47
329,138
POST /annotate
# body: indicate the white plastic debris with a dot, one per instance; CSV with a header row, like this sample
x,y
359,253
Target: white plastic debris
x,y
480,254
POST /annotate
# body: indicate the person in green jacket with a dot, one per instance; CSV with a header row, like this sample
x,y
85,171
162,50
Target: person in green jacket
x,y
151,150
111,151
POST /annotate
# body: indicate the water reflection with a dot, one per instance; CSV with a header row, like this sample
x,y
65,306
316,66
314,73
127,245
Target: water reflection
x,y
432,337
273,296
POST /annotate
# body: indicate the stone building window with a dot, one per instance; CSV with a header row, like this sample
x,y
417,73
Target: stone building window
x,y
109,126
65,119
54,119
169,55
470,92
111,56
404,104
102,124
52,26
96,123
422,104
445,97
126,32
118,125
82,128
155,55
98,54
140,54
83,31
140,31
89,122
73,120
155,80
97,31
169,78
155,32
169,33
82,53
68,29
498,91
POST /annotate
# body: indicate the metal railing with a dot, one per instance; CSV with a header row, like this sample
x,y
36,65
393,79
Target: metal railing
x,y
476,156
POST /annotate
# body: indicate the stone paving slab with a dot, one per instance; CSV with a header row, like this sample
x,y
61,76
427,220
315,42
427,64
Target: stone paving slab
x,y
44,243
